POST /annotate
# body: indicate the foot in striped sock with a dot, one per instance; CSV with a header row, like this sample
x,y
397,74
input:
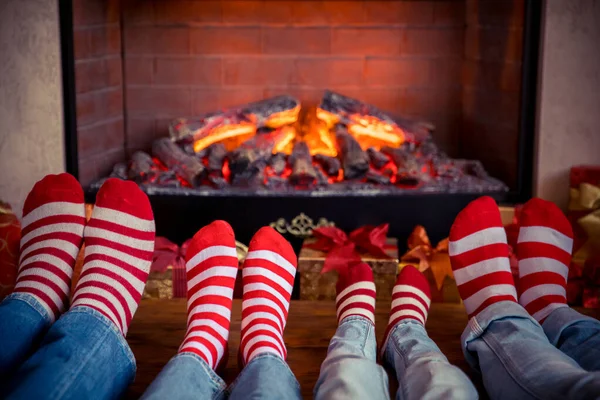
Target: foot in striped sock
x,y
52,230
268,279
355,293
119,243
212,265
411,298
544,251
479,257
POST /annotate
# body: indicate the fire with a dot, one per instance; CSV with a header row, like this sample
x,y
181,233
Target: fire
x,y
317,135
230,135
372,132
285,140
282,118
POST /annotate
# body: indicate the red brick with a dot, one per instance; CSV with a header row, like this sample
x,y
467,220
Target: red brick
x,y
97,74
494,44
225,40
433,42
296,40
161,127
447,73
242,11
157,40
95,12
415,103
319,13
97,42
258,71
366,41
387,99
140,133
231,97
138,12
206,100
327,72
399,12
97,106
162,102
308,96
99,166
397,72
449,13
501,13
491,107
100,138
182,71
138,70
491,75
186,11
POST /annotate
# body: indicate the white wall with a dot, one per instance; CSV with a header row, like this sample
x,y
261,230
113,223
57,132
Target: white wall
x,y
569,105
31,122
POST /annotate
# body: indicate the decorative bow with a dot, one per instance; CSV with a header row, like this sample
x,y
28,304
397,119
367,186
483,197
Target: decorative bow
x,y
168,254
435,258
344,250
588,198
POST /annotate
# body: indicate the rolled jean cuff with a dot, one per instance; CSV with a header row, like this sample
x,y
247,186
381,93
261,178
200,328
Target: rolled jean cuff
x,y
559,320
216,380
118,335
273,357
478,324
31,301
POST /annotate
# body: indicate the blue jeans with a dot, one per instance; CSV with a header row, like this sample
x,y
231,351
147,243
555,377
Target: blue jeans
x,y
188,376
350,370
82,355
518,361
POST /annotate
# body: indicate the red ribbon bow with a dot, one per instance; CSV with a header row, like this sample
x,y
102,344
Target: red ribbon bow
x,y
344,250
167,253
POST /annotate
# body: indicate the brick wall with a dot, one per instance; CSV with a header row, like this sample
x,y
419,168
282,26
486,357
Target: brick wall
x,y
99,89
190,57
491,85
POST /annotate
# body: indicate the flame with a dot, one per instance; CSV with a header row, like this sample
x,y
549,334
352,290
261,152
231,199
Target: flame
x,y
230,135
287,117
317,134
285,140
370,131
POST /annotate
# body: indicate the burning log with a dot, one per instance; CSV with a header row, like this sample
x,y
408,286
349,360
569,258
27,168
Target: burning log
x,y
216,157
378,159
355,161
236,125
185,166
303,173
376,177
330,165
278,162
141,167
119,171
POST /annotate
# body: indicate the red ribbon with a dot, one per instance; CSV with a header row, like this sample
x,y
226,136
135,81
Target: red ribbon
x,y
167,253
344,250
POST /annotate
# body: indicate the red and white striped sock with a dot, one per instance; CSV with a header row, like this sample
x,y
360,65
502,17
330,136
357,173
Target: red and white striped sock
x,y
212,265
52,229
479,256
544,251
268,279
355,292
119,243
411,298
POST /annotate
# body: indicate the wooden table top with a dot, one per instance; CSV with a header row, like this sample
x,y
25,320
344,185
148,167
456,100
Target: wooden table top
x,y
159,327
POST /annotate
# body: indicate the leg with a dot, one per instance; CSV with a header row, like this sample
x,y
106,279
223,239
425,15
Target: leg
x,y
268,278
422,370
544,250
53,220
211,268
85,354
350,370
501,340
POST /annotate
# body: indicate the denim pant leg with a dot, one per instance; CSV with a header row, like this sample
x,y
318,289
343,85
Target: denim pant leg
x,y
518,362
350,370
576,335
422,370
186,376
82,356
23,323
267,376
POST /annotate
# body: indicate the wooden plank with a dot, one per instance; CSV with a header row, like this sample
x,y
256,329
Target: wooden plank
x,y
159,327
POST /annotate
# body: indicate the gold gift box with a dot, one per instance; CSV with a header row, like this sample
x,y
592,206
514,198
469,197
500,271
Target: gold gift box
x,y
317,286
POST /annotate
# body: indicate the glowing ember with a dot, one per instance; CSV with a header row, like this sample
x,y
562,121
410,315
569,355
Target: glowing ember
x,y
230,135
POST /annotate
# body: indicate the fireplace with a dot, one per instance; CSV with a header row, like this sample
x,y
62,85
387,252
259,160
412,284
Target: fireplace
x,y
300,113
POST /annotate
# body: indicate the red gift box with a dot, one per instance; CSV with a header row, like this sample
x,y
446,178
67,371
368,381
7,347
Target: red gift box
x,y
10,236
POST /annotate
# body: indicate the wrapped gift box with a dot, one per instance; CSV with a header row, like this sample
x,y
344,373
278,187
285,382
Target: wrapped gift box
x,y
10,236
317,286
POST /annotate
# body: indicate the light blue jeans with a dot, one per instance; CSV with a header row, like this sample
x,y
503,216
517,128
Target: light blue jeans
x,y
82,355
350,370
518,359
188,376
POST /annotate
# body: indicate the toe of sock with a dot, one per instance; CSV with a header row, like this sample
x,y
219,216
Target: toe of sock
x,y
409,275
53,188
217,233
268,238
538,212
479,214
124,196
355,273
